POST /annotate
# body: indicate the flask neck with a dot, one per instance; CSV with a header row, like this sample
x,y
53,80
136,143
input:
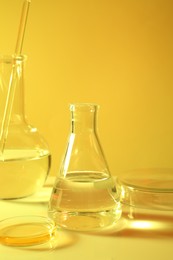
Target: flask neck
x,y
18,113
83,118
7,78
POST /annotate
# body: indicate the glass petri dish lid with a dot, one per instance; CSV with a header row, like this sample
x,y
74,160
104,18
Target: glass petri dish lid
x,y
147,188
26,230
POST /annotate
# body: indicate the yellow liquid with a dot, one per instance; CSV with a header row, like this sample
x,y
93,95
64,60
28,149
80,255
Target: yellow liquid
x,y
23,172
84,201
26,234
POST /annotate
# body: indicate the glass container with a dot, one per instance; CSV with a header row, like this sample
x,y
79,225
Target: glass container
x,y
26,231
84,195
147,188
25,160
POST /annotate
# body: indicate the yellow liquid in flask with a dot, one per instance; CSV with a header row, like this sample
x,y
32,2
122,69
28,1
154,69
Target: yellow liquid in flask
x,y
84,201
23,172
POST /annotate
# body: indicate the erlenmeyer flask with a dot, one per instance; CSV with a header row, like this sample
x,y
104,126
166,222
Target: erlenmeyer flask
x,y
25,161
84,195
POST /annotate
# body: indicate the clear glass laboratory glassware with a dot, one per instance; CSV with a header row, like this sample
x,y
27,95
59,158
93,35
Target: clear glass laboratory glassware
x,y
147,188
84,196
25,160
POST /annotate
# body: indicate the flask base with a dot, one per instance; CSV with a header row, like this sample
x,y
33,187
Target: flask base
x,y
86,221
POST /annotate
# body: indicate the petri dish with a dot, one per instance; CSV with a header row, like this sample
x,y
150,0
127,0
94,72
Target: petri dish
x,y
147,188
26,230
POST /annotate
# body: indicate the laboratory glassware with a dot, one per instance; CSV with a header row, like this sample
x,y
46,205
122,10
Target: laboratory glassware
x,y
84,195
24,157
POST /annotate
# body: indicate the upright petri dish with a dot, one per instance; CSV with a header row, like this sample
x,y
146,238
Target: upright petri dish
x,y
26,230
147,188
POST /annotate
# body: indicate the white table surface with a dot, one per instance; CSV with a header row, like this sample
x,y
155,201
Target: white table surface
x,y
119,243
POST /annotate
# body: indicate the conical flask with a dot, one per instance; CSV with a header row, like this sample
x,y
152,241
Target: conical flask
x,y
25,159
84,195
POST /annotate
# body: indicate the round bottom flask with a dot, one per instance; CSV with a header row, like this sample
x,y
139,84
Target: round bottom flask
x,y
84,196
24,155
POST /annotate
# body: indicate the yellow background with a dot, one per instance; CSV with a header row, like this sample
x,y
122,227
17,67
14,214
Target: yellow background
x,y
118,54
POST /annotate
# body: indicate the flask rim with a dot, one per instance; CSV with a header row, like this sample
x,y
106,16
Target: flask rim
x,y
92,106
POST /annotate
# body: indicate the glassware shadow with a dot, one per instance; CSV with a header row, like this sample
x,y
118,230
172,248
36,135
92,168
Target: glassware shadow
x,y
61,240
144,224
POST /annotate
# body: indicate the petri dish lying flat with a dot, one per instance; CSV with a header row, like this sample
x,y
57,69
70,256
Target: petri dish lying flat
x,y
147,188
26,230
